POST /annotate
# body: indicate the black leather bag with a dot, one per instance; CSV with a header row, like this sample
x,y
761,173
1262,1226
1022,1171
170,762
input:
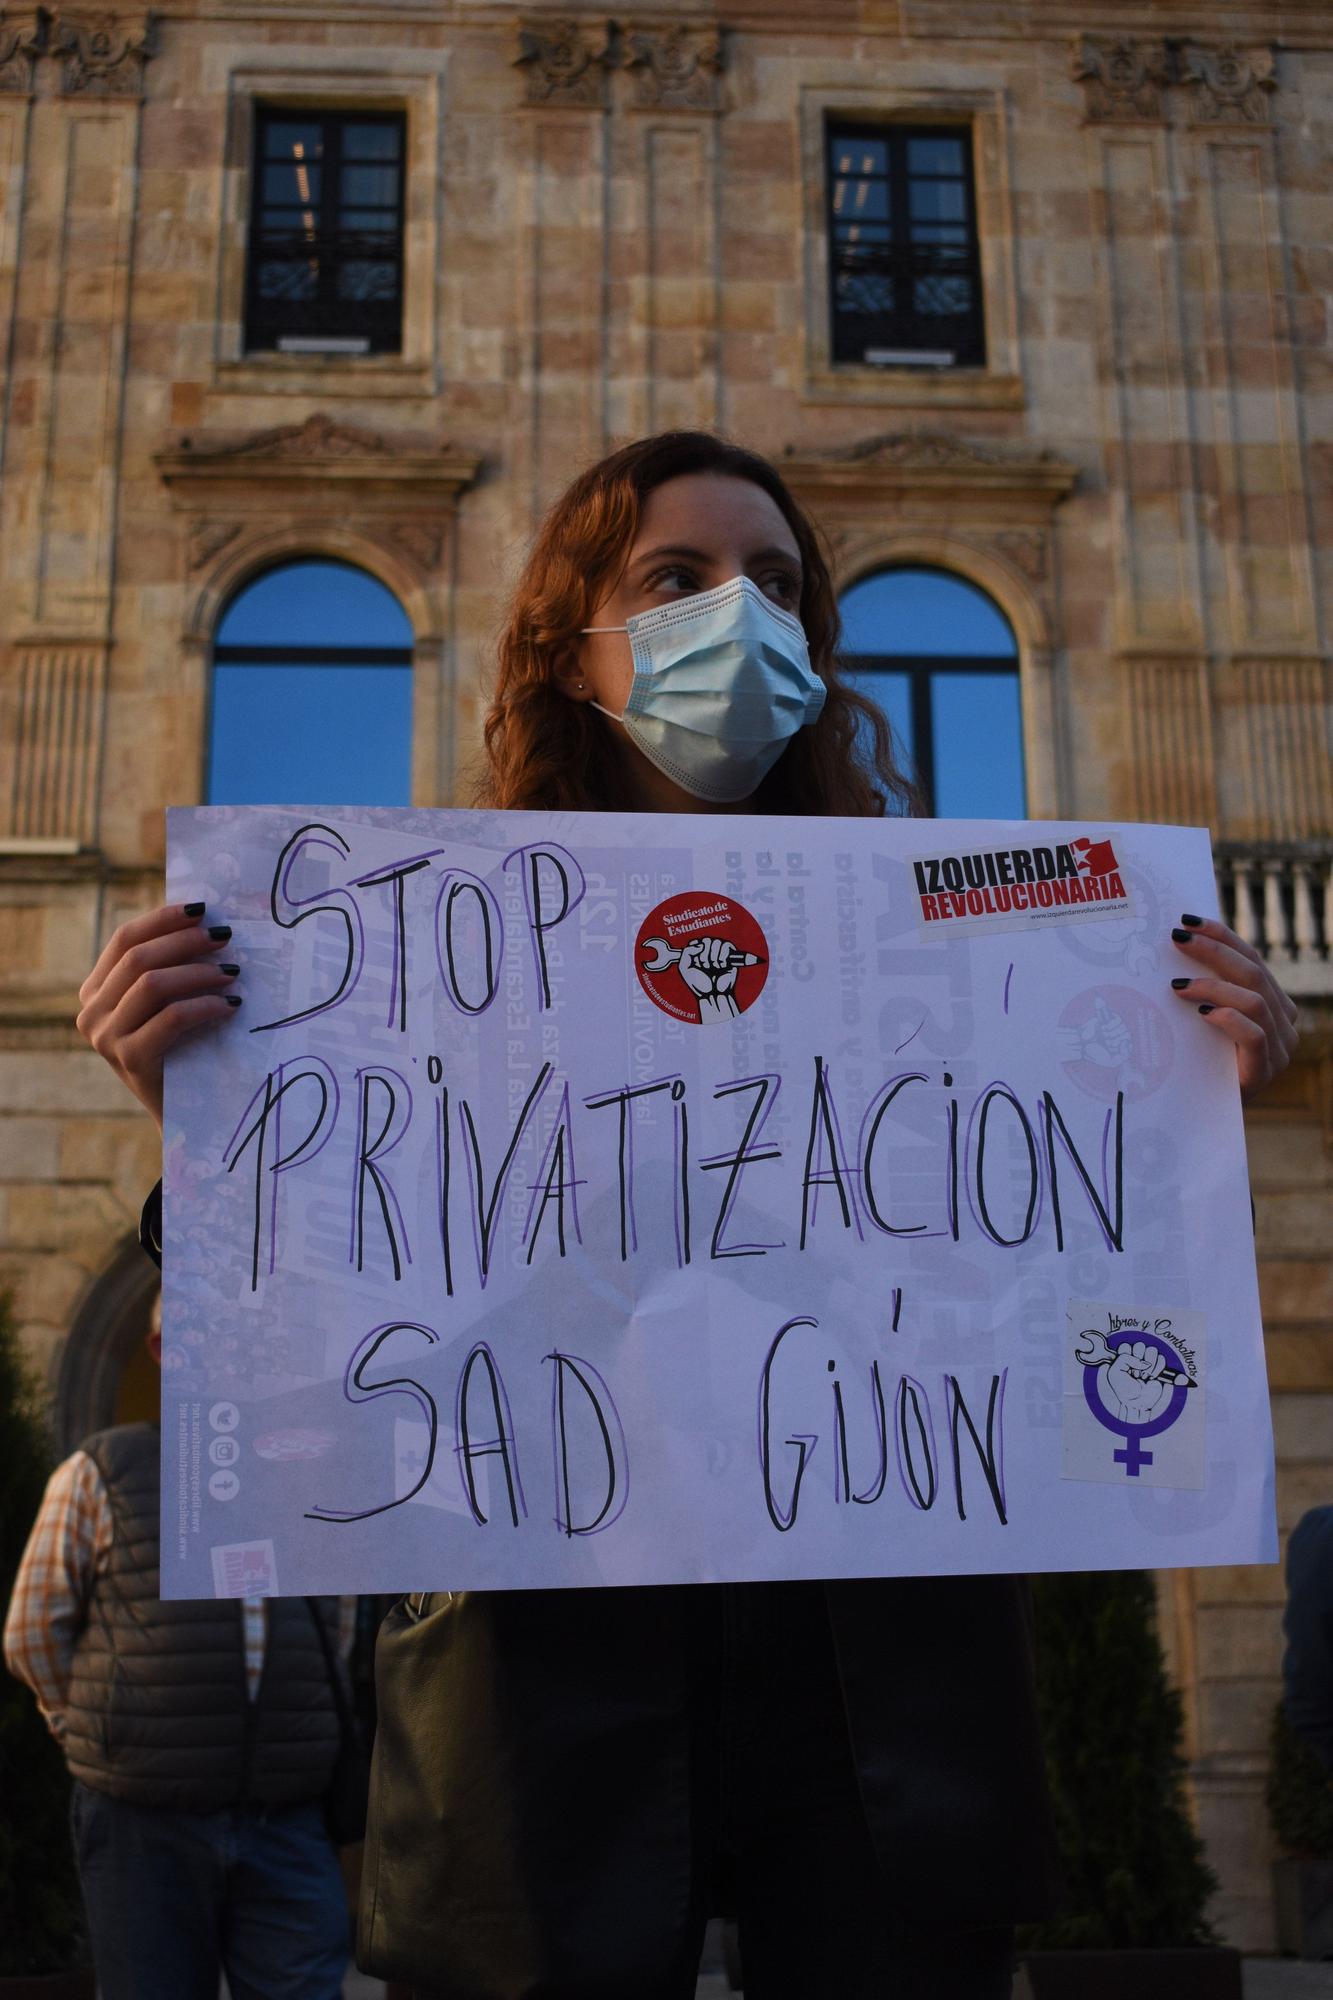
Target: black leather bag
x,y
348,1789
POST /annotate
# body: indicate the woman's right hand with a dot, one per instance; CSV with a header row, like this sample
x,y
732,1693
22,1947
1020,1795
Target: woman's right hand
x,y
158,979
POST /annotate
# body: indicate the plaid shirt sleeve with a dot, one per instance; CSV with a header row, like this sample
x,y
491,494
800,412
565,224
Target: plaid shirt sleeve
x,y
67,1549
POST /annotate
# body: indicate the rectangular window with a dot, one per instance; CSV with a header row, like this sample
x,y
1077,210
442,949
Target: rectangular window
x,y
903,254
326,233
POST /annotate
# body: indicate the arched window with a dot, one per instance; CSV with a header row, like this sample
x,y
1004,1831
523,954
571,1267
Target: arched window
x,y
940,658
312,692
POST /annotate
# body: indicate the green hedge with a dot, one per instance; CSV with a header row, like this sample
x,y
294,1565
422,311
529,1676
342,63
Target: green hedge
x,y
1133,1863
41,1913
1300,1798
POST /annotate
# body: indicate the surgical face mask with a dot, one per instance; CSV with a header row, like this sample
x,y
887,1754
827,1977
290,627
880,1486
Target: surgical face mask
x,y
722,681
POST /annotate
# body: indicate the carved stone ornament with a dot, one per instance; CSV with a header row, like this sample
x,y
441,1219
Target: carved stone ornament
x,y
208,539
320,436
321,466
676,68
103,55
1228,86
21,42
919,461
1026,551
564,62
1121,79
422,542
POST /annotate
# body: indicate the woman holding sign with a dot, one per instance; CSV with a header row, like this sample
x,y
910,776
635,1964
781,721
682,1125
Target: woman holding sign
x,y
569,1783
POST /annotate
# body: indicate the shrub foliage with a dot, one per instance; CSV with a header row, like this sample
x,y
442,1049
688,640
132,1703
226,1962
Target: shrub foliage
x,y
40,1907
1133,1863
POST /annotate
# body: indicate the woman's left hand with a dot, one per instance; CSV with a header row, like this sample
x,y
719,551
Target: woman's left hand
x,y
1238,996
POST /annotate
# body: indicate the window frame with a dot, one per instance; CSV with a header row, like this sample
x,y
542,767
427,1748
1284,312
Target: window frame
x,y
223,654
920,670
339,322
907,260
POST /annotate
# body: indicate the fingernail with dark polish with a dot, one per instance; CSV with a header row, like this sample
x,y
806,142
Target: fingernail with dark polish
x,y
233,972
1177,936
1193,922
194,909
220,931
232,999
1177,983
1207,1007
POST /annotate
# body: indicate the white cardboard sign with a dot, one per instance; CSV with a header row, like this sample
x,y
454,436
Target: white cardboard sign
x,y
602,1199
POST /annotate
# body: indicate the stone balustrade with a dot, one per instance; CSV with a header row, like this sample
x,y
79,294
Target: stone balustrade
x,y
1279,896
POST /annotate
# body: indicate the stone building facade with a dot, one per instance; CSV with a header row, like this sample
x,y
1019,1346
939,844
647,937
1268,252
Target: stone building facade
x,y
612,227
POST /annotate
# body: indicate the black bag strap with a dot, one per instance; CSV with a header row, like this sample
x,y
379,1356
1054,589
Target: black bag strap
x,y
340,1701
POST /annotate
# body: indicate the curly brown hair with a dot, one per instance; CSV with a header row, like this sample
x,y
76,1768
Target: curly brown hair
x,y
548,752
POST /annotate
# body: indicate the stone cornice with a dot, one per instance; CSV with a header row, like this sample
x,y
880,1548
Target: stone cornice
x,y
905,462
318,456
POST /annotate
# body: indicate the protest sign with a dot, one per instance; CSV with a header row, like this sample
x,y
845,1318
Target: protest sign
x,y
602,1199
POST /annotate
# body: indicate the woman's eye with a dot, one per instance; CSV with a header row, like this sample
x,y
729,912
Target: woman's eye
x,y
783,587
673,577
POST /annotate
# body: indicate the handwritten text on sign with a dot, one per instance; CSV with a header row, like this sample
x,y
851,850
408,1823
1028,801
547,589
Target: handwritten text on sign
x,y
597,1199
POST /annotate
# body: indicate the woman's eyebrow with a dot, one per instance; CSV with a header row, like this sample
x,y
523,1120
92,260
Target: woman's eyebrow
x,y
679,552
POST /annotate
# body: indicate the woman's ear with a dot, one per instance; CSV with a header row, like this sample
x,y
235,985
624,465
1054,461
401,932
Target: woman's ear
x,y
570,678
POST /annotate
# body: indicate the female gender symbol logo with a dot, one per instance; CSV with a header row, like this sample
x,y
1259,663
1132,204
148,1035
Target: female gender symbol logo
x,y
1096,1351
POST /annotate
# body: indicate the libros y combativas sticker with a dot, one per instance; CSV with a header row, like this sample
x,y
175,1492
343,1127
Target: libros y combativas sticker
x,y
1012,888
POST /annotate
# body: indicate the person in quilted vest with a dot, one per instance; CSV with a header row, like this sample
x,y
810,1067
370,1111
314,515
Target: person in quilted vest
x,y
200,1737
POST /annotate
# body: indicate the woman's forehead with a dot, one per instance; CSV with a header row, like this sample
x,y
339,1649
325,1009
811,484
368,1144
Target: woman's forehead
x,y
701,507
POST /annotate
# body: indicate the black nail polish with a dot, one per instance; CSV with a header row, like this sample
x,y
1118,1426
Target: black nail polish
x,y
220,931
232,999
1177,936
194,909
233,971
1177,983
1207,1007
1193,922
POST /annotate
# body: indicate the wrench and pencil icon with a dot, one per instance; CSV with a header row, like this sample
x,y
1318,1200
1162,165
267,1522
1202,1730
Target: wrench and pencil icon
x,y
664,954
1094,1352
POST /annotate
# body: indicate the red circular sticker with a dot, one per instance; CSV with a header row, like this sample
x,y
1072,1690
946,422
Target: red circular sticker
x,y
701,957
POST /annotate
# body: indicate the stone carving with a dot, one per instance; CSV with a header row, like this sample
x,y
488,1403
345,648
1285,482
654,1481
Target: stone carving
x,y
911,450
564,62
1228,85
21,42
422,542
1025,551
319,436
209,539
676,68
102,55
1121,79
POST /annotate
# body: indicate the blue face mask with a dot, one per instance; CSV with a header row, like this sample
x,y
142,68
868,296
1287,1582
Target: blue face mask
x,y
722,681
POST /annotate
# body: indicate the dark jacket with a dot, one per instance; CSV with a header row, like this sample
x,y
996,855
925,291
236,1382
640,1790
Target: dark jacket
x,y
158,1711
1307,1666
529,1828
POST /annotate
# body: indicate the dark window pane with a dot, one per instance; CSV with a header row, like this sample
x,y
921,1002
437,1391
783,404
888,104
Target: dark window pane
x,y
861,201
938,201
293,141
370,221
860,156
945,239
978,735
940,295
315,603
370,142
369,187
865,292
290,283
935,156
295,186
367,282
